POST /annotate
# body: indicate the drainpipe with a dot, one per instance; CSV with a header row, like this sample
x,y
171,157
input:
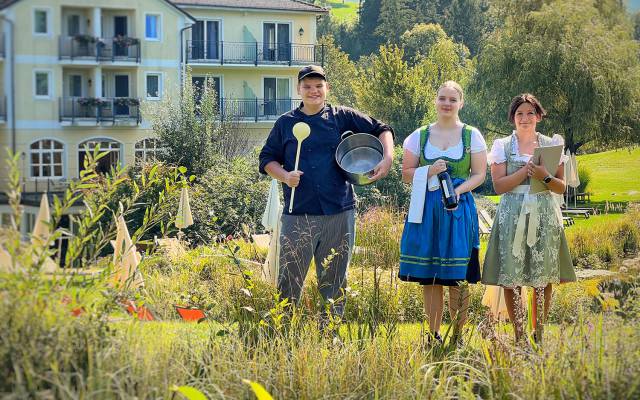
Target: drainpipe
x,y
183,57
12,84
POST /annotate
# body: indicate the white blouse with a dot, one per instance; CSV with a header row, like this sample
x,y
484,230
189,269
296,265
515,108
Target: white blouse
x,y
412,144
498,156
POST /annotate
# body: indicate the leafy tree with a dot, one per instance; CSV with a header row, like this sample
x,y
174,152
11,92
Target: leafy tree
x,y
341,73
391,90
418,41
192,131
636,25
345,34
401,94
583,68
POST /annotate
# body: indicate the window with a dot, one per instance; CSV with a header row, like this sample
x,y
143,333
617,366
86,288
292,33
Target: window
x,y
73,25
45,158
41,22
148,150
6,220
75,85
154,86
106,163
42,84
152,27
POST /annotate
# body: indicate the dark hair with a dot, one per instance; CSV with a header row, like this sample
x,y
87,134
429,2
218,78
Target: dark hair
x,y
520,100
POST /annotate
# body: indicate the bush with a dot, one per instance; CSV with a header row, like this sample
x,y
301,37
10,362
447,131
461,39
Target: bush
x,y
604,246
585,176
229,199
390,191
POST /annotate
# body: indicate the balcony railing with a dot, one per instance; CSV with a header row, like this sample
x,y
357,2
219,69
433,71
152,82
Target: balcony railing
x,y
220,52
3,108
86,47
256,109
101,110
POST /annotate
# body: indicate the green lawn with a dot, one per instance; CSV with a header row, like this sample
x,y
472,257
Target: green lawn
x,y
343,10
595,220
615,175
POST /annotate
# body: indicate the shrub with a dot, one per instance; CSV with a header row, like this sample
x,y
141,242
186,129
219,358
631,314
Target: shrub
x,y
604,246
389,191
585,176
229,199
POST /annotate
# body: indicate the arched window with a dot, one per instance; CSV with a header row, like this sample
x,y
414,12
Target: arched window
x,y
148,150
45,159
111,160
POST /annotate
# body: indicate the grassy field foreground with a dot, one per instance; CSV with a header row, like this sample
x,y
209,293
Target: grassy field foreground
x,y
596,357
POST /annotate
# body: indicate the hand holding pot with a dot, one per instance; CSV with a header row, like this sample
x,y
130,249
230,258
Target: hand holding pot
x,y
382,169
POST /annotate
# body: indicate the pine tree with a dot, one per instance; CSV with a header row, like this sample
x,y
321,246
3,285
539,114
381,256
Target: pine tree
x,y
396,17
465,22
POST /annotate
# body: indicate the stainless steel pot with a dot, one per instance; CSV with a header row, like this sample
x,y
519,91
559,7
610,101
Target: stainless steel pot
x,y
357,155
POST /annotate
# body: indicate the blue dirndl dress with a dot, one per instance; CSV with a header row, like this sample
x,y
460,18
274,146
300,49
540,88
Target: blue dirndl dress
x,y
443,249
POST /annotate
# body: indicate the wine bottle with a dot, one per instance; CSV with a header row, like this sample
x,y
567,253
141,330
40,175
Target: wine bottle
x,y
448,192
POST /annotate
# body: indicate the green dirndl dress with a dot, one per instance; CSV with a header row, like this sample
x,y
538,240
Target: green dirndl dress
x,y
515,259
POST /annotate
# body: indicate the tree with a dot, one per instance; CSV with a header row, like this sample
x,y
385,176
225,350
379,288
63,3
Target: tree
x,y
418,41
401,94
636,25
341,73
396,17
191,130
466,22
367,24
584,69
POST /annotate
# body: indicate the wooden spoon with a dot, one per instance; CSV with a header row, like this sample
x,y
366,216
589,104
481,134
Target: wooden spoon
x,y
301,131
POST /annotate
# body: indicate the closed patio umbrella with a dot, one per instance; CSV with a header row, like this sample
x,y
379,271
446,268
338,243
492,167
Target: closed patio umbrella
x,y
125,258
42,232
271,222
571,175
184,218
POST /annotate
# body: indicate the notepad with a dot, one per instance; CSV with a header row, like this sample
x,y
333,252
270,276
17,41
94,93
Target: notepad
x,y
550,157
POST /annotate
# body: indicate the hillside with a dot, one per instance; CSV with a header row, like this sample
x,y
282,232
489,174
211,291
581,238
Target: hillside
x,y
614,174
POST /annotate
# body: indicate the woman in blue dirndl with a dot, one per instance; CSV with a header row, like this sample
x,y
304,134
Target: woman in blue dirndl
x,y
439,247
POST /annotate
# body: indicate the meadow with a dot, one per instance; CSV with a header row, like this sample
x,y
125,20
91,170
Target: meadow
x,y
343,10
69,337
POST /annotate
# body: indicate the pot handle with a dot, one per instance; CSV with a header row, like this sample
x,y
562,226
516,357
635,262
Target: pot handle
x,y
346,134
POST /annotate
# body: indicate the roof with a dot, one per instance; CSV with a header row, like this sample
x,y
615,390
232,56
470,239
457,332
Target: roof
x,y
286,5
6,3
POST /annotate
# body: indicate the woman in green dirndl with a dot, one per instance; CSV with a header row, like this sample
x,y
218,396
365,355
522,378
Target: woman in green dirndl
x,y
527,246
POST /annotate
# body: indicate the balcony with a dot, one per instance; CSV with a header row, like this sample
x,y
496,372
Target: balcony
x,y
256,110
207,52
89,48
100,111
3,110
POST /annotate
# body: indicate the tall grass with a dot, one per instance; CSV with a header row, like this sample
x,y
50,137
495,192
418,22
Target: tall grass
x,y
378,351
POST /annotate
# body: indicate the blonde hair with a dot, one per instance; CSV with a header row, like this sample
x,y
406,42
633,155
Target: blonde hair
x,y
452,85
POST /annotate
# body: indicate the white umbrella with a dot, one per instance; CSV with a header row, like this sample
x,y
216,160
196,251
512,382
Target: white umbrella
x,y
184,217
41,233
571,176
125,258
41,229
271,222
